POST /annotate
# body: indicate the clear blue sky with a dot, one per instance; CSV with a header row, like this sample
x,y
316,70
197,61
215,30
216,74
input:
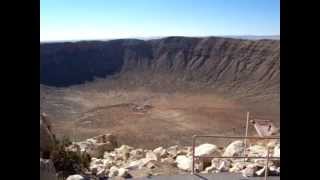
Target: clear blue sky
x,y
103,19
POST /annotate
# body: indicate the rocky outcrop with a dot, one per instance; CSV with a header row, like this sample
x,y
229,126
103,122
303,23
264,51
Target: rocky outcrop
x,y
126,160
46,135
95,146
47,170
76,177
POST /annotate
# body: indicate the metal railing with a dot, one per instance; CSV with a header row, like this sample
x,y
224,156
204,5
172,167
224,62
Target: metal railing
x,y
194,157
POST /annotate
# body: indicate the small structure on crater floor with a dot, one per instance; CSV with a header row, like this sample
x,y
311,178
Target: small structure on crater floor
x,y
264,128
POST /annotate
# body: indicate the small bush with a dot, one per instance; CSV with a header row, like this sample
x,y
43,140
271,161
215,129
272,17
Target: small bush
x,y
68,162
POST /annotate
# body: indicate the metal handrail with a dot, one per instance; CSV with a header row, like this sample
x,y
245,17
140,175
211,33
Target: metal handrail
x,y
234,157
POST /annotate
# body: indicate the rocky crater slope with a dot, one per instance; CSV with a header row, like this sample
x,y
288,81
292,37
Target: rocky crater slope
x,y
211,62
166,88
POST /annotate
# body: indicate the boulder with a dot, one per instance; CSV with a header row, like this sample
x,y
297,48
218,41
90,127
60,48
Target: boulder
x,y
102,172
122,172
160,152
224,165
261,172
249,171
274,171
47,170
257,151
206,150
113,171
184,162
276,151
150,164
236,148
96,146
238,167
150,155
169,160
173,151
75,177
123,152
137,154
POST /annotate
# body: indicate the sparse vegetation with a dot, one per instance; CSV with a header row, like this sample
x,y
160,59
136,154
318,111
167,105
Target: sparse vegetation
x,y
67,162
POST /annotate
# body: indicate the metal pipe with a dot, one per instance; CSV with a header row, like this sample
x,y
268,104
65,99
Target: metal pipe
x,y
236,137
193,153
246,135
235,157
267,165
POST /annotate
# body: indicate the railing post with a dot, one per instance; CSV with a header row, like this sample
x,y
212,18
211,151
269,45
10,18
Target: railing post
x,y
267,165
246,135
193,153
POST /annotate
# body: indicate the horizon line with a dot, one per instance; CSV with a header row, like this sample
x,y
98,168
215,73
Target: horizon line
x,y
158,37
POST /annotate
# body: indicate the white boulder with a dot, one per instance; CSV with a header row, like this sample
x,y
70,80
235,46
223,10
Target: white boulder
x,y
250,170
184,162
113,171
206,150
75,177
160,152
150,155
236,148
122,172
276,151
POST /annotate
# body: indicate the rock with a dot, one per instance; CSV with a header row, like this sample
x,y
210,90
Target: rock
x,y
135,164
261,172
209,169
101,172
249,171
169,161
238,167
257,151
75,177
274,171
96,146
236,148
173,151
123,152
206,150
47,170
224,166
46,135
219,165
276,151
150,155
150,165
160,152
122,172
272,143
113,171
184,162
137,154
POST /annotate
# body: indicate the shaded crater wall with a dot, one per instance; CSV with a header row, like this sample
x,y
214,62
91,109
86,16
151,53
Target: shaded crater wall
x,y
213,61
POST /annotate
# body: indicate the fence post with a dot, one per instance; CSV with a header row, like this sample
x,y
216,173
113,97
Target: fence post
x,y
246,134
267,165
193,153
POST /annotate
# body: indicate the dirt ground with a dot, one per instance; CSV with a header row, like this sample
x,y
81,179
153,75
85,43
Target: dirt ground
x,y
146,119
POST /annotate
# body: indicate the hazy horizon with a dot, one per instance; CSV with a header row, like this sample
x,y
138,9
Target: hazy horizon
x,y
98,19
